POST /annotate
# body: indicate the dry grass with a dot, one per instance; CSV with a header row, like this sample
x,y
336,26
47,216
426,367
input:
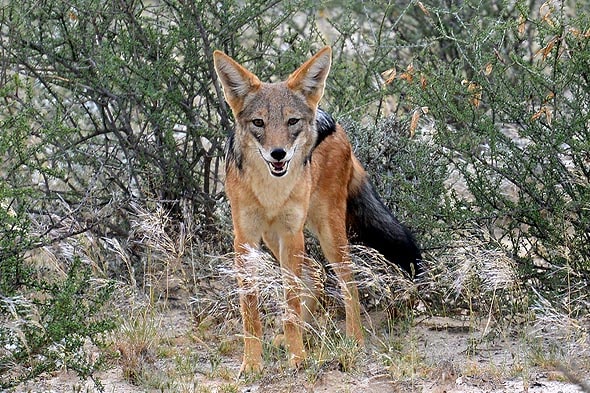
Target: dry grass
x,y
137,341
471,282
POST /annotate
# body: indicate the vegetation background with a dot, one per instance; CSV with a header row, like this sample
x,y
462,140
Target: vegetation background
x,y
472,118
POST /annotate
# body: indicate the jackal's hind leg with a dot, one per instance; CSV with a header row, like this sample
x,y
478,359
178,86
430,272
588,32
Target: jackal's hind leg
x,y
335,247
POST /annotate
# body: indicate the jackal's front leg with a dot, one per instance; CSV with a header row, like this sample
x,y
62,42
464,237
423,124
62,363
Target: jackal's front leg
x,y
252,360
291,258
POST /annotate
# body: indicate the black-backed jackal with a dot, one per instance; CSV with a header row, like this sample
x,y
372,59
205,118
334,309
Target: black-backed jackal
x,y
289,165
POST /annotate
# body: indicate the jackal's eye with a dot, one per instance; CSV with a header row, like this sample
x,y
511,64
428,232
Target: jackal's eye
x,y
258,122
292,121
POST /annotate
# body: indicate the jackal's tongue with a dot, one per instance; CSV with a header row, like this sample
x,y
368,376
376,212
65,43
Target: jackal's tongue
x,y
278,165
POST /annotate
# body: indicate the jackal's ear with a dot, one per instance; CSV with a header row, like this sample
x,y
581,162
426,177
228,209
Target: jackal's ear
x,y
310,78
237,81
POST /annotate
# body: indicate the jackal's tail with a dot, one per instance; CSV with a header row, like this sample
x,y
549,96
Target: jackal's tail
x,y
372,224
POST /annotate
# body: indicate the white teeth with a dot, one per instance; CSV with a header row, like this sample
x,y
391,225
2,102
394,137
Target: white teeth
x,y
278,169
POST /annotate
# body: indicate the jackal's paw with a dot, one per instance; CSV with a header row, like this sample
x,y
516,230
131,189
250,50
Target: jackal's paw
x,y
250,367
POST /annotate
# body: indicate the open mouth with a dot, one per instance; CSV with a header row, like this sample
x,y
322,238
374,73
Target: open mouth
x,y
279,168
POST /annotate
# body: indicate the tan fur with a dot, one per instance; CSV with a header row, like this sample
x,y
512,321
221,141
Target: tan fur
x,y
275,207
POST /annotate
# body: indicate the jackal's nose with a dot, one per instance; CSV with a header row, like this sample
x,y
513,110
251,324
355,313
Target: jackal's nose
x,y
278,153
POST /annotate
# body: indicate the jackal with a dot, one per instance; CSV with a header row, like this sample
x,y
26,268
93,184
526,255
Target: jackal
x,y
290,165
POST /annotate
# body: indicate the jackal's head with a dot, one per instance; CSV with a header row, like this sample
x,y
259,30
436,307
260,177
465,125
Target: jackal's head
x,y
276,122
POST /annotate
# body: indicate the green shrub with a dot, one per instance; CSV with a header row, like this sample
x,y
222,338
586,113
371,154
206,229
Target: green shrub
x,y
507,88
409,174
45,322
47,325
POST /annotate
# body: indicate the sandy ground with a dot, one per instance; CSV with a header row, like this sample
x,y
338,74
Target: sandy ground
x,y
441,346
330,382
